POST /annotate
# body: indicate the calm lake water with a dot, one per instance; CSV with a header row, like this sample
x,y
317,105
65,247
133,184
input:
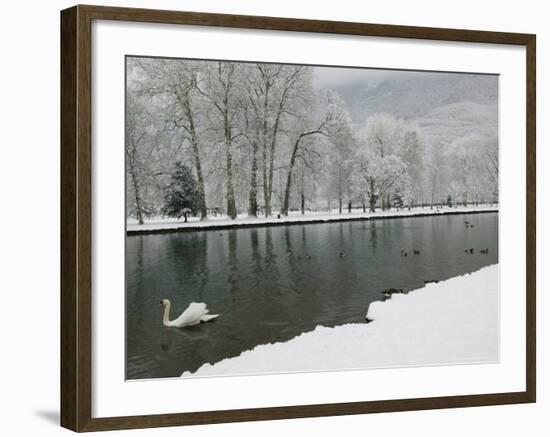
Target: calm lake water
x,y
267,290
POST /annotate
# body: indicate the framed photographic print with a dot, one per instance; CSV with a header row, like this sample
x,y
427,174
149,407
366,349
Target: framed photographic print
x,y
303,218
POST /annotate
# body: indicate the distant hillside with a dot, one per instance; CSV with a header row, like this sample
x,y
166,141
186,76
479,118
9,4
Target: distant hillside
x,y
445,123
414,95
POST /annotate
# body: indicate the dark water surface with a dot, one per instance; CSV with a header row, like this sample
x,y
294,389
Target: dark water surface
x,y
267,290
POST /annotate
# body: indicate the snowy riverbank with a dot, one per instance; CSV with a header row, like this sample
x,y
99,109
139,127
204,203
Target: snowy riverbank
x,y
223,222
452,322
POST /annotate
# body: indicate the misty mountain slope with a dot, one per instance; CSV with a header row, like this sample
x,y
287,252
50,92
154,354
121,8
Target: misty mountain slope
x,y
446,123
413,95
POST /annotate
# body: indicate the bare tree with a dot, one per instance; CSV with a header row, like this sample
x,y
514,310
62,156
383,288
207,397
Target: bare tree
x,y
143,135
177,84
262,83
134,137
384,137
331,120
298,144
491,166
383,133
379,174
410,151
221,92
436,169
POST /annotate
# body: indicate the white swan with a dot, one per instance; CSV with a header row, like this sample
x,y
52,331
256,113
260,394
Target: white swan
x,y
193,315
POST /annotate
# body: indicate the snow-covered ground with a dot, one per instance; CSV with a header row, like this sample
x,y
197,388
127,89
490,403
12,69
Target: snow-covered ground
x,y
222,221
452,322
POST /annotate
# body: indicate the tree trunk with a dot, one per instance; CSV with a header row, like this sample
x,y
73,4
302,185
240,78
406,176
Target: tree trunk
x,y
267,192
198,168
372,197
291,167
230,192
270,152
270,180
266,184
253,194
349,206
137,196
303,203
191,130
289,178
223,106
139,214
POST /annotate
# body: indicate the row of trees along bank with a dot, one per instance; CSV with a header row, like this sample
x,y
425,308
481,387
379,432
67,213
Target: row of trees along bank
x,y
222,138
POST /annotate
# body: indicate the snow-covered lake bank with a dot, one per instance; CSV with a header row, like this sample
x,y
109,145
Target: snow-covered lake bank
x,y
451,322
160,225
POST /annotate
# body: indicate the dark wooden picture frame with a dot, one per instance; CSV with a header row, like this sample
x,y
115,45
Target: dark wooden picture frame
x,y
76,217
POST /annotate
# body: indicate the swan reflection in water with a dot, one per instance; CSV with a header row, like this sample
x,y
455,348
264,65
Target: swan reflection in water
x,y
187,335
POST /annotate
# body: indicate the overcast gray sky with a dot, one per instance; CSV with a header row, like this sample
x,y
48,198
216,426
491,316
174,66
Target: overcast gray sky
x,y
335,76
